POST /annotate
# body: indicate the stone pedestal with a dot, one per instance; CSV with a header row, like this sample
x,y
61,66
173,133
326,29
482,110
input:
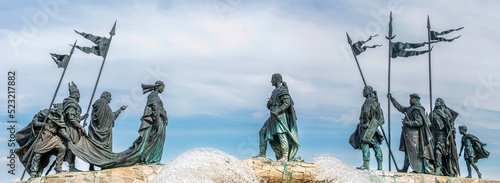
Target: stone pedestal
x,y
276,171
395,177
133,174
269,171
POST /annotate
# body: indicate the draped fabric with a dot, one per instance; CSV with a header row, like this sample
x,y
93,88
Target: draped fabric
x,y
443,129
101,124
416,137
370,119
146,149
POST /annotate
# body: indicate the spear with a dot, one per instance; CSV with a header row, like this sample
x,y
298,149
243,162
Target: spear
x,y
390,37
50,107
430,79
112,33
355,58
362,77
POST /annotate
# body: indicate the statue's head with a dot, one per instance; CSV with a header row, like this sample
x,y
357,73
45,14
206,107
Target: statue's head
x,y
462,129
56,115
414,99
106,95
367,91
440,102
276,79
58,105
73,91
160,86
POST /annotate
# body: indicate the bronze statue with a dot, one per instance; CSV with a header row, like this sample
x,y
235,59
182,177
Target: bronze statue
x,y
443,129
367,134
416,136
50,143
280,129
102,122
152,130
147,149
72,118
26,138
474,150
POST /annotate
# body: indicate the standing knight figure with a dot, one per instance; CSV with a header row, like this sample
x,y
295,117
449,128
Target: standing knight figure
x,y
102,123
416,136
443,129
53,133
72,119
280,129
367,134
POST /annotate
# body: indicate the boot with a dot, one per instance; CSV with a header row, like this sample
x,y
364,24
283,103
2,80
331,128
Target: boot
x,y
59,169
405,168
479,175
438,171
72,168
284,148
379,165
34,175
34,166
262,153
284,157
91,167
365,166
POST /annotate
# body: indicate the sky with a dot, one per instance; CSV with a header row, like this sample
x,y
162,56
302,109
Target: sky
x,y
216,59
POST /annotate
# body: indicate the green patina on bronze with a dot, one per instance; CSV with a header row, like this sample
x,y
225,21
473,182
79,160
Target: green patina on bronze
x,y
147,149
474,150
280,129
443,130
367,135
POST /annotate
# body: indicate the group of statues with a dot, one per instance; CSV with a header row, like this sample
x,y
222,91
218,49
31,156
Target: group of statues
x,y
62,134
428,141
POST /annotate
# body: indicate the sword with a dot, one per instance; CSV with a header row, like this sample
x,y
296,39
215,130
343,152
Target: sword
x,y
288,131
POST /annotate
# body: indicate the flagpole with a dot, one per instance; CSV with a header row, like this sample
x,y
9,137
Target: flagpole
x,y
50,107
389,86
430,78
355,58
112,33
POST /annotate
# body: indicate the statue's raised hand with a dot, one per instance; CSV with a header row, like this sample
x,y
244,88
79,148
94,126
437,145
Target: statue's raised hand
x,y
123,107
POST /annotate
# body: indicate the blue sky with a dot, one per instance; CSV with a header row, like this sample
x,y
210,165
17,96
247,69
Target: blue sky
x,y
217,57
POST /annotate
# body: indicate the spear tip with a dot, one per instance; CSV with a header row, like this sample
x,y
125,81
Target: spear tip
x,y
73,46
112,33
428,22
348,38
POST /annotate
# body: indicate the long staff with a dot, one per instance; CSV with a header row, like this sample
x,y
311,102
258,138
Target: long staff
x,y
46,116
112,33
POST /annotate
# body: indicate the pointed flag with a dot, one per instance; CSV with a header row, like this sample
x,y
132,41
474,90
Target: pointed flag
x,y
60,60
434,35
101,44
398,49
358,48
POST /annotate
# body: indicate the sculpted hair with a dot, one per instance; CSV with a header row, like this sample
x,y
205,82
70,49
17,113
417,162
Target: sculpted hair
x,y
147,88
278,78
